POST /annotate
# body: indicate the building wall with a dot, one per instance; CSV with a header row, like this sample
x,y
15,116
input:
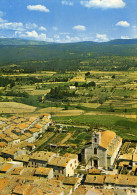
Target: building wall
x,y
101,156
50,175
65,171
37,163
71,166
113,157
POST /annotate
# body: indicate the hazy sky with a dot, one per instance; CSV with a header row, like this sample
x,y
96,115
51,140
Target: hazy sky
x,y
68,20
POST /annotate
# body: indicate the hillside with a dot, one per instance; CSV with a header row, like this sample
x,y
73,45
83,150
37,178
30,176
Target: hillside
x,y
8,41
116,54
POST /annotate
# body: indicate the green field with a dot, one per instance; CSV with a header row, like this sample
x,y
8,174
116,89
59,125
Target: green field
x,y
124,127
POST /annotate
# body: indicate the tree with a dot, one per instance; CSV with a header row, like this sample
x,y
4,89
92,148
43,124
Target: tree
x,y
87,74
76,84
113,76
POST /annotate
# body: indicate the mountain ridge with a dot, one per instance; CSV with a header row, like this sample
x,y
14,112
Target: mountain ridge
x,y
15,41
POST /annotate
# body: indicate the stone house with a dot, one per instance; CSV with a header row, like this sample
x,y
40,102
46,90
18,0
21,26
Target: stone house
x,y
103,150
63,166
44,172
40,159
12,152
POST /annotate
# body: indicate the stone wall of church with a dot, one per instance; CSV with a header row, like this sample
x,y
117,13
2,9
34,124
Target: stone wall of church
x,y
100,157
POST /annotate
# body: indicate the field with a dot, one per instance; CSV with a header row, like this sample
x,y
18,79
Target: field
x,y
13,107
124,127
107,99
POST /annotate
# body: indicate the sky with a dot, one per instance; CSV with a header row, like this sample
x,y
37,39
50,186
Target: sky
x,y
65,21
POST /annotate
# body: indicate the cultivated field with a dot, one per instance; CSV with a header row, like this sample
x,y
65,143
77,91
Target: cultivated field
x,y
108,97
13,107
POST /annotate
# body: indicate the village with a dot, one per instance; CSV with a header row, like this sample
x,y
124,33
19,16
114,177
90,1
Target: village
x,y
104,165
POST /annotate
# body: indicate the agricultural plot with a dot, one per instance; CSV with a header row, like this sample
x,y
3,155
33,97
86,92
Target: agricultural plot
x,y
71,140
124,127
13,107
44,139
97,95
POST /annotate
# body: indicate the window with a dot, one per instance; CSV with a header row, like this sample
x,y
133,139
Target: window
x,y
95,140
62,171
71,165
58,171
95,150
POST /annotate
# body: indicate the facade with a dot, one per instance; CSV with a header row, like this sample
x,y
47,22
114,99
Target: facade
x,y
63,166
40,159
103,150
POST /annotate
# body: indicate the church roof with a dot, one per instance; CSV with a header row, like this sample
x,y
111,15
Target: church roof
x,y
106,138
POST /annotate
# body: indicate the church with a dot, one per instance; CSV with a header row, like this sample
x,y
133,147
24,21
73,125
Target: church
x,y
103,150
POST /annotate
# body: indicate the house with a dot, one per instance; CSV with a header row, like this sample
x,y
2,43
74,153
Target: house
x,y
126,182
126,158
95,180
74,182
23,158
16,171
40,159
72,87
44,172
103,150
8,166
3,183
110,181
12,152
63,166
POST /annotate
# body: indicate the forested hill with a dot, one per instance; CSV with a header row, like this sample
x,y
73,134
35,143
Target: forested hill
x,y
14,41
8,41
29,56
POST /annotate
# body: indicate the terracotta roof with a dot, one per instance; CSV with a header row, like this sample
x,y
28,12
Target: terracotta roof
x,y
5,167
42,171
70,180
33,130
59,161
2,144
23,137
126,157
33,190
106,138
16,171
22,158
38,126
22,125
30,144
28,171
3,182
2,136
95,179
10,151
32,119
44,156
126,180
20,188
28,134
94,171
110,179
73,156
